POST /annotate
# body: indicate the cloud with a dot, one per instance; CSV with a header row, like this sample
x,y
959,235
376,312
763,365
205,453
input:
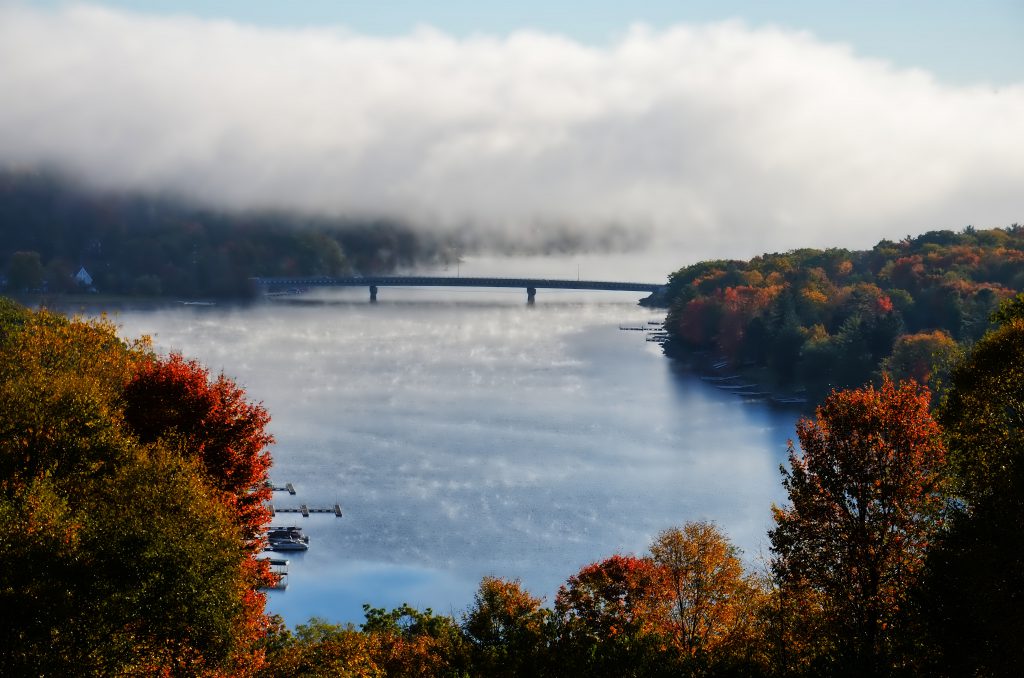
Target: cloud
x,y
721,138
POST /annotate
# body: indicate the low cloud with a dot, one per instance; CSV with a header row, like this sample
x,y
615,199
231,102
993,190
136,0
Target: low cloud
x,y
723,139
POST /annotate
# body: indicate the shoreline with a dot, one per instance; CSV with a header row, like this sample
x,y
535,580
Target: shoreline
x,y
748,384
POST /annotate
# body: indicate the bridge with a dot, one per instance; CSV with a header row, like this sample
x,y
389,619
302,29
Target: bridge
x,y
531,285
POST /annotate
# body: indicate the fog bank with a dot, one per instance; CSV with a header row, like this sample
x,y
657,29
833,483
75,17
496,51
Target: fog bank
x,y
717,138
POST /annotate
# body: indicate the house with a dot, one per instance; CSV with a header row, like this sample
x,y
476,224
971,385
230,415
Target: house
x,y
83,278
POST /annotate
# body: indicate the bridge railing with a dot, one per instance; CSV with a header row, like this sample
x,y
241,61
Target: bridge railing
x,y
438,281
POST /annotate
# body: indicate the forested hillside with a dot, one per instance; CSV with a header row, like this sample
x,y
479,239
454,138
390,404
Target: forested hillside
x,y
835,318
143,245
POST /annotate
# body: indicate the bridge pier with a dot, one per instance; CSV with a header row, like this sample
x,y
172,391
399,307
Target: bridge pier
x,y
531,295
373,294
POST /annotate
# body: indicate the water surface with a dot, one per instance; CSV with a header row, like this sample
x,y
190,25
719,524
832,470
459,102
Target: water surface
x,y
465,434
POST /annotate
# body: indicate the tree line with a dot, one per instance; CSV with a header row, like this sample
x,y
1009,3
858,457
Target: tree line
x,y
834,318
132,489
160,246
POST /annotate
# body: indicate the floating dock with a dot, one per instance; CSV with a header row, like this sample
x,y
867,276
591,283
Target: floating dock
x,y
287,487
304,510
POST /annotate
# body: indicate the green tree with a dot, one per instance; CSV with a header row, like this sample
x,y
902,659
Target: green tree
x,y
60,276
975,592
167,577
25,272
507,629
983,414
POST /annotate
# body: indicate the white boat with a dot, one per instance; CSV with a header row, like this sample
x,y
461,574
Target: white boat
x,y
287,534
288,545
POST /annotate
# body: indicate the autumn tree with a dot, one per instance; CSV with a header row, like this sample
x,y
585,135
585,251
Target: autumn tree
x,y
864,496
507,629
116,557
176,401
318,648
614,619
166,576
59,383
713,600
922,356
399,643
408,642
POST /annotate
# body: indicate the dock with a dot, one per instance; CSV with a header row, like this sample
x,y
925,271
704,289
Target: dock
x,y
304,510
287,487
279,568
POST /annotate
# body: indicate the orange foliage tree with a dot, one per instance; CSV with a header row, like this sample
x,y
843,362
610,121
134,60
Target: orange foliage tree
x,y
713,599
614,618
864,500
318,648
408,642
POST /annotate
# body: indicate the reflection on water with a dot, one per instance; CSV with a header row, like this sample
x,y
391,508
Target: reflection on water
x,y
465,434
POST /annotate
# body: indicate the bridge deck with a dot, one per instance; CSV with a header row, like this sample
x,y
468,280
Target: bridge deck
x,y
434,281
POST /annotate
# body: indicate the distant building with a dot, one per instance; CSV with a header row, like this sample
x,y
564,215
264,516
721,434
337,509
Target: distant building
x,y
83,278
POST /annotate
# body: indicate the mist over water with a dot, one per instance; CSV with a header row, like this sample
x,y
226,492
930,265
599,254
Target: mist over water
x,y
466,434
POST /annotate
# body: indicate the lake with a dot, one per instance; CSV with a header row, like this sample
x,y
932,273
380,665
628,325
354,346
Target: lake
x,y
466,434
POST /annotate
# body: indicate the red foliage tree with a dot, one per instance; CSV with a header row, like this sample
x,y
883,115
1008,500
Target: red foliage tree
x,y
697,321
740,305
622,594
865,500
174,399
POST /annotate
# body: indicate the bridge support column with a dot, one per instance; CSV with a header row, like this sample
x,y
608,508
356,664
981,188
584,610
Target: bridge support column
x,y
373,294
531,295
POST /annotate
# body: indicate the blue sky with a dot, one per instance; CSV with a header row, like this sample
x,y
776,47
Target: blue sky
x,y
959,41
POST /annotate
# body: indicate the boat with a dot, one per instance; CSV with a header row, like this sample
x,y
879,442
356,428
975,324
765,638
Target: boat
x,y
286,534
288,545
